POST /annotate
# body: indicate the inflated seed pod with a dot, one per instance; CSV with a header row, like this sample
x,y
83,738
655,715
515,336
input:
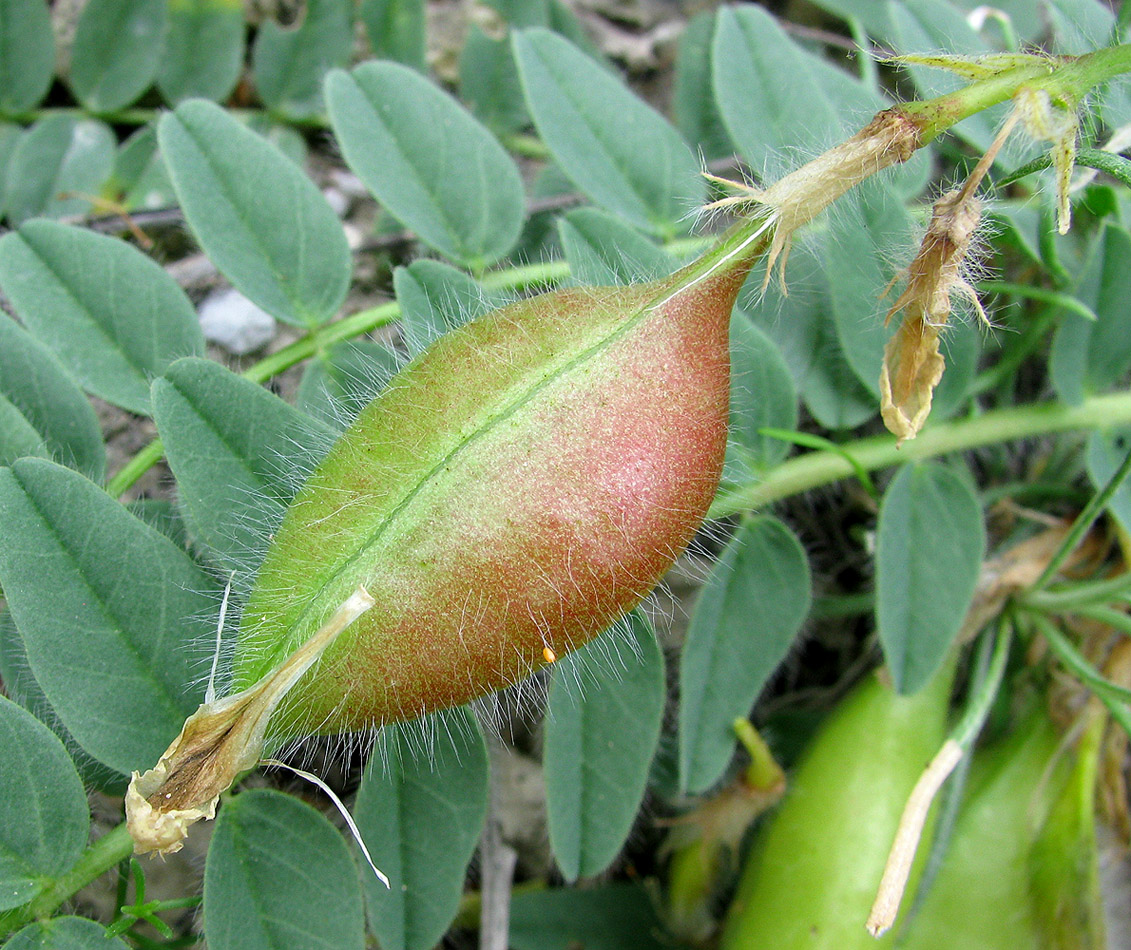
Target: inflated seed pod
x,y
812,873
516,488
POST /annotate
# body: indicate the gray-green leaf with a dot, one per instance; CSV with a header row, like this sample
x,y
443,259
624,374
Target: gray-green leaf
x,y
930,542
1092,356
745,620
203,54
427,160
18,437
44,817
768,98
693,95
57,166
261,220
617,149
420,811
279,876
27,54
289,63
107,607
762,395
116,52
870,223
231,443
342,380
397,30
113,316
435,298
1105,452
613,917
64,933
603,721
601,249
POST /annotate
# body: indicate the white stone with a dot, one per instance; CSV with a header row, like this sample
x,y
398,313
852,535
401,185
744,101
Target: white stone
x,y
228,318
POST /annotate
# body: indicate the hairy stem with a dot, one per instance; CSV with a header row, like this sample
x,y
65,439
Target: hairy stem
x,y
814,469
105,853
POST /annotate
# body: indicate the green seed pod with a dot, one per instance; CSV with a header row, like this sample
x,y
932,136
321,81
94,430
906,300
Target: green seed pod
x,y
983,896
812,874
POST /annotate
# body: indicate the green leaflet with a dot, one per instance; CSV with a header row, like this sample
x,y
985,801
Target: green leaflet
x,y
1092,356
44,818
140,179
802,328
873,16
870,223
693,95
280,876
745,620
64,933
341,381
601,249
750,56
428,161
397,30
603,719
256,214
18,436
20,687
420,810
618,150
106,606
489,84
230,443
116,52
610,917
27,54
930,542
109,312
288,64
56,166
762,395
1104,454
435,298
203,52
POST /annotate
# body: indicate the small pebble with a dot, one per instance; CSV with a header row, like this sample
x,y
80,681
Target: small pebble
x,y
228,318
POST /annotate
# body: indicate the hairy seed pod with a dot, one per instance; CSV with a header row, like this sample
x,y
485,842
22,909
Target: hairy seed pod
x,y
515,489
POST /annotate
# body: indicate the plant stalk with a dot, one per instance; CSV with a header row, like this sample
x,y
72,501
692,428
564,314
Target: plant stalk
x,y
815,469
105,853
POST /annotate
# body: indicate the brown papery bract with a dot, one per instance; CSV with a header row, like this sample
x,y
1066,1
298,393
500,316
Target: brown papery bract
x,y
913,365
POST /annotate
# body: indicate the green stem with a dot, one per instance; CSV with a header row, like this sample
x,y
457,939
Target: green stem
x,y
978,705
1066,76
100,857
1075,78
135,468
937,115
1076,596
815,469
1083,523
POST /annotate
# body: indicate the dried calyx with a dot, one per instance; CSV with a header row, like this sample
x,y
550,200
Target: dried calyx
x,y
217,743
912,364
889,139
